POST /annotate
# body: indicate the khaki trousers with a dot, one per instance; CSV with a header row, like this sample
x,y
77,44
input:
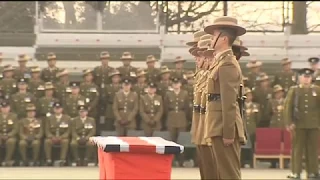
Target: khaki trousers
x,y
227,158
207,166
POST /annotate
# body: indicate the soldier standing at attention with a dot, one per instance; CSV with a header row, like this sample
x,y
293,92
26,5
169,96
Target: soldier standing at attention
x,y
126,70
101,79
262,95
57,131
189,88
176,103
152,72
125,108
252,118
111,91
314,65
165,83
45,104
89,90
277,107
31,132
35,84
179,71
82,129
255,71
49,74
141,89
8,84
141,86
286,78
301,114
224,125
22,71
20,99
74,100
207,168
62,89
8,132
151,109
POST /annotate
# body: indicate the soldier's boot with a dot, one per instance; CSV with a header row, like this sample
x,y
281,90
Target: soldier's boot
x,y
35,151
62,163
48,162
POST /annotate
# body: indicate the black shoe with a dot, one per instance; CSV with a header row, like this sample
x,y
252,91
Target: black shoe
x,y
63,163
48,163
31,163
23,163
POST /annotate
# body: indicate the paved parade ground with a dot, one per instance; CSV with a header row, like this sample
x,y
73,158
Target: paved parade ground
x,y
92,173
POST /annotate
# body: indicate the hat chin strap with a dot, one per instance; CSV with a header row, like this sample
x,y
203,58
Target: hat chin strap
x,y
215,43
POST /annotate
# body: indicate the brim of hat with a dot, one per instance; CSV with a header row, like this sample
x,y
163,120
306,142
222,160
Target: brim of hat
x,y
84,74
191,43
49,59
139,75
126,58
192,49
114,74
242,48
245,53
239,30
253,65
264,79
104,57
22,60
179,61
148,61
277,90
208,52
6,70
287,62
31,110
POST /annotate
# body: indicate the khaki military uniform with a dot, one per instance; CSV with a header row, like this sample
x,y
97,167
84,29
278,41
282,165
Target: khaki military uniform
x,y
316,77
252,119
101,76
252,79
102,80
306,125
50,75
62,91
178,73
223,118
152,74
91,95
57,131
71,105
285,80
190,90
31,132
22,73
176,106
277,113
82,129
36,88
140,89
8,86
151,109
263,97
127,71
9,127
163,87
19,103
111,91
45,106
207,168
125,108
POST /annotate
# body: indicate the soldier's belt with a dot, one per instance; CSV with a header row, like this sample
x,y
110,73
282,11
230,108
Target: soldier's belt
x,y
196,108
214,97
203,110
